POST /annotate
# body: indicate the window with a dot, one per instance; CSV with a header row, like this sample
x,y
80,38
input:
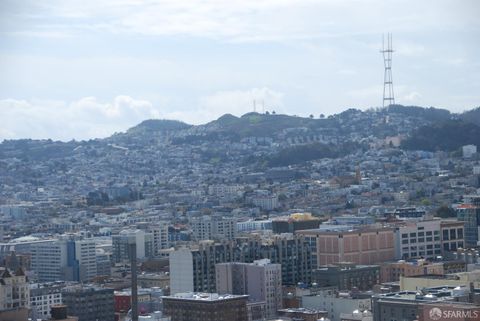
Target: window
x,y
445,235
460,233
453,234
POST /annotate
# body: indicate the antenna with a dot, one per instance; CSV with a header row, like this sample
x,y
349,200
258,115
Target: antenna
x,y
388,94
254,106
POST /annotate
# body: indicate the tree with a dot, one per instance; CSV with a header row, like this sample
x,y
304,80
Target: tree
x,y
446,211
322,116
311,116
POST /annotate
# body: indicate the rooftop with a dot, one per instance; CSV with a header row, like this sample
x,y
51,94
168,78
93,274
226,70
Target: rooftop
x,y
208,297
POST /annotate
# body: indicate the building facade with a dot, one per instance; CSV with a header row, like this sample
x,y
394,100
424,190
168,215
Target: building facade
x,y
347,276
121,245
14,290
64,259
206,307
213,228
418,239
360,246
89,303
193,270
260,280
469,213
43,297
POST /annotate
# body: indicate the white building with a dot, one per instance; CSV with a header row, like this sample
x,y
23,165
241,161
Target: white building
x,y
469,150
64,259
121,245
335,303
14,291
265,202
416,239
253,225
226,190
213,228
49,260
181,271
86,256
261,280
42,298
160,236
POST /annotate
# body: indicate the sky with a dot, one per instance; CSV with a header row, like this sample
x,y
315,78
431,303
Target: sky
x,y
82,69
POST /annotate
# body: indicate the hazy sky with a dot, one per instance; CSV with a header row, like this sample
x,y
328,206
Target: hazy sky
x,y
83,69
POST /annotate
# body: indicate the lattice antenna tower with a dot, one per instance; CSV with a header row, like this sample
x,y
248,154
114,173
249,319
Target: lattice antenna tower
x,y
388,94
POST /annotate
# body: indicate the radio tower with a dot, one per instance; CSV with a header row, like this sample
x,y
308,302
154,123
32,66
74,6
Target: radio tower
x,y
388,95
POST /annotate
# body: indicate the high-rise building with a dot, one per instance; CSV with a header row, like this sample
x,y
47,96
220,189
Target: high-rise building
x,y
469,213
14,290
213,228
121,245
193,270
49,261
206,307
64,259
160,236
260,280
89,303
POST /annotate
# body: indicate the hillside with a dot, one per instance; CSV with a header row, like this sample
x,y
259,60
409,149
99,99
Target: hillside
x,y
446,136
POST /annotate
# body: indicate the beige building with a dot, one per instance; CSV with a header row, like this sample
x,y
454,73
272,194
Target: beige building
x,y
14,290
413,283
391,272
360,246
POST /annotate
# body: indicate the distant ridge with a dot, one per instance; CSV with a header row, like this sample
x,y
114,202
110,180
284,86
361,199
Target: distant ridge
x,y
159,125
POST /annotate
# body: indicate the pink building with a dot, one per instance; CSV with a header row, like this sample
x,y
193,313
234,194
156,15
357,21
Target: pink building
x,y
361,246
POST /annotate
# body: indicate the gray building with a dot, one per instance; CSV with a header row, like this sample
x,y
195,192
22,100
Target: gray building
x,y
469,213
194,269
121,245
346,276
213,228
261,280
410,305
89,303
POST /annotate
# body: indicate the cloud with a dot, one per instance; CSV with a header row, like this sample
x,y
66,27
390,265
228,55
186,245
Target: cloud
x,y
238,21
82,119
88,117
412,97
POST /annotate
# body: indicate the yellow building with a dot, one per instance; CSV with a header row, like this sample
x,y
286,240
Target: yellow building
x,y
413,283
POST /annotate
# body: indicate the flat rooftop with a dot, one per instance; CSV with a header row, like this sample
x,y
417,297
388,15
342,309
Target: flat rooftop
x,y
207,297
